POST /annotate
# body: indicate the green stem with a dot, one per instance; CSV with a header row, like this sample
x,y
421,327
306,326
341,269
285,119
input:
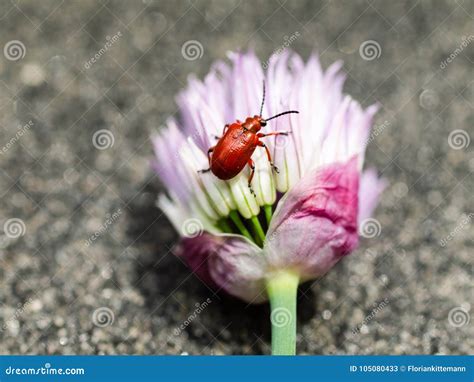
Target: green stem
x,y
268,214
234,215
224,225
281,289
258,230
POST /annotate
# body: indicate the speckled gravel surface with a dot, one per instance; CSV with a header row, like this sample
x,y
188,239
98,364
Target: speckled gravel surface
x,y
87,268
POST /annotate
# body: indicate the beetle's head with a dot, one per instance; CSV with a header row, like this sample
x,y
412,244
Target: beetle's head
x,y
260,122
255,123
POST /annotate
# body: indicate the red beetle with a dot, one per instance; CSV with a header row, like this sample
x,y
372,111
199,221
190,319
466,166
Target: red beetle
x,y
237,144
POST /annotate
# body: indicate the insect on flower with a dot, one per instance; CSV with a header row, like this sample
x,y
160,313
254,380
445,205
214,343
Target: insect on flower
x,y
237,144
304,218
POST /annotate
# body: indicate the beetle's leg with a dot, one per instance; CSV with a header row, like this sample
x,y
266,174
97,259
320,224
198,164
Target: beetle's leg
x,y
252,166
226,126
209,159
274,133
209,154
275,168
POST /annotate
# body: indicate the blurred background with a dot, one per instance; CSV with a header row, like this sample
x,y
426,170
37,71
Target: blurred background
x,y
86,263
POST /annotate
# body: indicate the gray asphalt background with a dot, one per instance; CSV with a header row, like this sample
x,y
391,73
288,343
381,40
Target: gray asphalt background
x,y
394,295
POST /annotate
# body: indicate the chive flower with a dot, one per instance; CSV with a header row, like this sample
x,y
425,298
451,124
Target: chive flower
x,y
302,219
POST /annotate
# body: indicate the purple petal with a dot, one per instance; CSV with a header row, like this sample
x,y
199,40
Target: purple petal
x,y
239,267
371,187
227,262
196,251
315,223
246,84
166,145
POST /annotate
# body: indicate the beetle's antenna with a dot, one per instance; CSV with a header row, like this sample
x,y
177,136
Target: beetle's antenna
x,y
263,99
285,112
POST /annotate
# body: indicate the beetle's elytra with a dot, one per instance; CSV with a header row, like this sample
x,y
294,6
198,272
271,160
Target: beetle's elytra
x,y
235,147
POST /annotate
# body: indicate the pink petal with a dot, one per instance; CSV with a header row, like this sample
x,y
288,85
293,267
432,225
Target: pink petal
x,y
315,223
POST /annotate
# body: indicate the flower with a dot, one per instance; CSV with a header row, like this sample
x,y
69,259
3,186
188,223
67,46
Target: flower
x,y
304,218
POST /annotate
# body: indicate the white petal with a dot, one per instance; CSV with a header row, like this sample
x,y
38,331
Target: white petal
x,y
280,85
263,183
178,214
199,194
217,190
244,199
